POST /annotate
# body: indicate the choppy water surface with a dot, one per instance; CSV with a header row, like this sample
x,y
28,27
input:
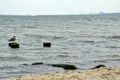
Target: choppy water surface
x,y
81,40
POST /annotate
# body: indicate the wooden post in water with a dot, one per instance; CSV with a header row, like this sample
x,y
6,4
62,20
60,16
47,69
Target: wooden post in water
x,y
46,44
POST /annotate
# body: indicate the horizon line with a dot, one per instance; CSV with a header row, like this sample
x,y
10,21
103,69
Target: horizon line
x,y
100,13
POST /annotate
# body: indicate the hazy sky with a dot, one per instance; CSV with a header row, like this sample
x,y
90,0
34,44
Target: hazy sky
x,y
43,7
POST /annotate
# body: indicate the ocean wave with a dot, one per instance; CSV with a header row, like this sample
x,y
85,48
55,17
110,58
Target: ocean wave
x,y
44,36
63,56
103,61
116,36
7,67
87,41
106,60
112,47
13,58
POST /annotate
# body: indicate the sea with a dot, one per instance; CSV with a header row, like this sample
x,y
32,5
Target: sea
x,y
81,40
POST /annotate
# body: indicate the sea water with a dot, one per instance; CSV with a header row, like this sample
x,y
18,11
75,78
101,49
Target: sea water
x,y
81,40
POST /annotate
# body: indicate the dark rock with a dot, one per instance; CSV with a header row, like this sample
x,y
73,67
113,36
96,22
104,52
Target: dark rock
x,y
25,64
47,44
65,66
14,45
69,67
37,63
99,66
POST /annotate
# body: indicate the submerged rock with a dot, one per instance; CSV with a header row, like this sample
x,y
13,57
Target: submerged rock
x,y
37,63
99,66
25,64
65,66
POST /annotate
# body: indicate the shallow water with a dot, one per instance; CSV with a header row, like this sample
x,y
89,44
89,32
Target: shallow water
x,y
81,40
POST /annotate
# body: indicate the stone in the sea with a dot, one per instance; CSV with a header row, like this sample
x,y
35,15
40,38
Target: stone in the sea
x,y
25,64
47,44
37,63
65,66
99,66
13,45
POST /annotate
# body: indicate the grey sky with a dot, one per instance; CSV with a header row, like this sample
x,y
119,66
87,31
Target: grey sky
x,y
43,7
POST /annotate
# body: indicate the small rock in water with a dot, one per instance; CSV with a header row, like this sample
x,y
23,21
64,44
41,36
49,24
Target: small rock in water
x,y
25,64
99,66
37,63
65,66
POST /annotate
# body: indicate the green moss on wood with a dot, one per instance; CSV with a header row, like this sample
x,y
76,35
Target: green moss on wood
x,y
13,45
